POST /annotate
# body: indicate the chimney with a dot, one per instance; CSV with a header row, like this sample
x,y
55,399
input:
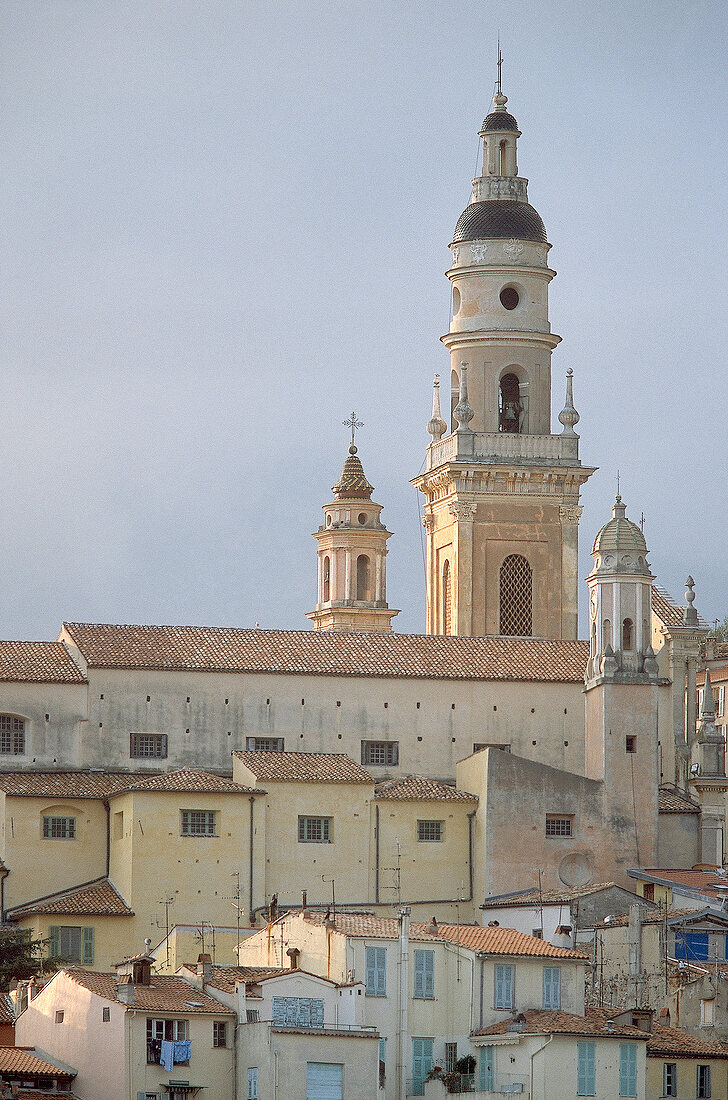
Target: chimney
x,y
303,903
432,926
204,967
293,954
125,989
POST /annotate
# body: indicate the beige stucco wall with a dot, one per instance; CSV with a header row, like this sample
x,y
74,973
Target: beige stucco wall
x,y
261,704
687,1071
113,936
52,742
281,1058
38,865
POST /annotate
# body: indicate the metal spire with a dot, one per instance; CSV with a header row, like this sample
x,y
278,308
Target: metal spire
x,y
354,424
500,64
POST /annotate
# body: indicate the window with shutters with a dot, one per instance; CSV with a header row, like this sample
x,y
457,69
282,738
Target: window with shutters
x,y
324,1081
704,1084
552,987
12,735
504,985
422,1063
424,971
669,1079
298,1011
198,822
430,830
315,830
586,1069
627,1069
151,745
375,959
71,944
516,597
253,1083
265,744
380,753
219,1033
59,828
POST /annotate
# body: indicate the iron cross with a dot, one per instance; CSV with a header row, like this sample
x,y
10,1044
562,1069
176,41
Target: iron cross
x,y
354,424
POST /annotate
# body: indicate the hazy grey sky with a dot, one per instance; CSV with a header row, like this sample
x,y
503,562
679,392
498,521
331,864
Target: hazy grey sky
x,y
225,225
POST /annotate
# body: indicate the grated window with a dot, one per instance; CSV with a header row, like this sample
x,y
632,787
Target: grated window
x,y
12,735
148,745
558,826
198,823
315,830
516,597
429,830
380,753
446,600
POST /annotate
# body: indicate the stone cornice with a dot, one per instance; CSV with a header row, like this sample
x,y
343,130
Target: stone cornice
x,y
469,338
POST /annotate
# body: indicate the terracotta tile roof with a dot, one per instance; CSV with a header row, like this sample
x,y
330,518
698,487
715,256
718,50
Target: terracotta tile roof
x,y
709,883
28,784
304,767
38,663
224,977
24,1060
324,653
555,1022
166,993
189,780
367,926
504,941
677,1043
671,802
360,1032
720,649
667,610
563,896
652,916
716,675
418,788
94,899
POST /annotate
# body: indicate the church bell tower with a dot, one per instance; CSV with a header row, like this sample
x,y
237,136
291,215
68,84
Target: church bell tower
x,y
501,491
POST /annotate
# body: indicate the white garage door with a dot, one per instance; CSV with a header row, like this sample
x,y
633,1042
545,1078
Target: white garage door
x,y
324,1081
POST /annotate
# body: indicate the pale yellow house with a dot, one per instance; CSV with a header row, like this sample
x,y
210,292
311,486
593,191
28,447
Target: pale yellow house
x,y
683,1066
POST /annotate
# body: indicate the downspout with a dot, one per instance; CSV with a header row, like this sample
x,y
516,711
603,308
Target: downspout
x,y
107,807
376,854
532,1058
404,922
251,911
471,821
235,1055
4,872
482,987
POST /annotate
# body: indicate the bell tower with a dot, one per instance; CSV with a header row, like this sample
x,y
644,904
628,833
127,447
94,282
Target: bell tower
x,y
352,552
501,491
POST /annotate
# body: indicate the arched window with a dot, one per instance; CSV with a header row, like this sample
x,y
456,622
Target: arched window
x,y
516,597
511,406
12,735
503,148
607,632
454,398
593,646
627,634
363,578
327,580
446,600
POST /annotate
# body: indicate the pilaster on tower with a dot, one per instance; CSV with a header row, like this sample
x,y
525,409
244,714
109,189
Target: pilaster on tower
x,y
501,490
352,552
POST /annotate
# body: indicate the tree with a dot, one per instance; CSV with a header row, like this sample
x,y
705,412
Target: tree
x,y
720,630
21,956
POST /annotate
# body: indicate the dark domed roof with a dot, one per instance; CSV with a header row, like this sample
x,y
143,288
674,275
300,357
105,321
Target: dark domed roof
x,y
496,218
352,482
499,120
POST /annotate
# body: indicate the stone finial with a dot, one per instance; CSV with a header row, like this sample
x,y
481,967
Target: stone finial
x,y
436,425
690,615
651,666
707,711
463,411
568,415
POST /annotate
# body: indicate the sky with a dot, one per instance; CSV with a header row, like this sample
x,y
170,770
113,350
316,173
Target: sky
x,y
225,225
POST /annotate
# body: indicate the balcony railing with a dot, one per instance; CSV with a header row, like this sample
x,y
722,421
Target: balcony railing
x,y
510,447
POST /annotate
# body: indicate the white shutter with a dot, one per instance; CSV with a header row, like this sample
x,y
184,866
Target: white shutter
x,y
324,1081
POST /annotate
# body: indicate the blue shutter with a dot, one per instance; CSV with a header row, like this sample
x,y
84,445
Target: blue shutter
x,y
324,1081
376,971
421,1063
54,941
503,986
424,988
691,945
485,1069
586,1069
551,987
87,950
627,1069
253,1083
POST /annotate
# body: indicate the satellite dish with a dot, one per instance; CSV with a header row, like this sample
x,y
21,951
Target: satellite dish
x,y
576,870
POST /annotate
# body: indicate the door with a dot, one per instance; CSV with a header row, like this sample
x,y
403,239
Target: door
x,y
485,1069
324,1081
421,1064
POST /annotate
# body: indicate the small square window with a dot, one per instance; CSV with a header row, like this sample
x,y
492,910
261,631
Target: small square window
x,y
380,754
148,745
315,830
60,1016
430,830
559,826
265,744
630,743
12,735
219,1033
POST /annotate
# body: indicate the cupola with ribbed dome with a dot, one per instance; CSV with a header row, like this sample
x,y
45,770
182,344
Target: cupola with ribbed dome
x,y
352,552
620,600
501,488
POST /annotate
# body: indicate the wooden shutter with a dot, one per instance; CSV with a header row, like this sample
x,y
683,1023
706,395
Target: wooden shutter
x,y
253,1083
324,1081
421,1060
585,1068
627,1069
424,987
376,971
503,986
485,1069
551,987
54,941
87,949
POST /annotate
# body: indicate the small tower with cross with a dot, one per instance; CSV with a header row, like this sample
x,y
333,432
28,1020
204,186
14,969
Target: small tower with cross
x,y
352,553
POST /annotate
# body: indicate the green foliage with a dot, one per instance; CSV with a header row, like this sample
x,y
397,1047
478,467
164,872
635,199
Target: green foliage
x,y
21,956
720,632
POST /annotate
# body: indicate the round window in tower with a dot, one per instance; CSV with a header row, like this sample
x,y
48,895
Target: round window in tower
x,y
362,518
509,297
